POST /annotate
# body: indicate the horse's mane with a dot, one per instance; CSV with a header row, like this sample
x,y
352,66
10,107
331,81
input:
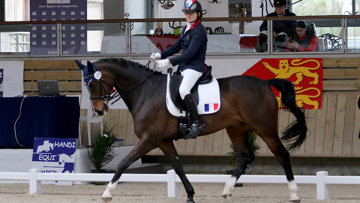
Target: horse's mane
x,y
124,62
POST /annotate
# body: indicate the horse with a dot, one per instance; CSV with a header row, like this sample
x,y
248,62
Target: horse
x,y
247,103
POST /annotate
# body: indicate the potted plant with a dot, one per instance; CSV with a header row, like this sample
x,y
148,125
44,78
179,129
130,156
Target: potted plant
x,y
102,149
232,155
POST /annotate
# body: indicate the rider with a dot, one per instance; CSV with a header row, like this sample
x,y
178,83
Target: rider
x,y
193,42
282,29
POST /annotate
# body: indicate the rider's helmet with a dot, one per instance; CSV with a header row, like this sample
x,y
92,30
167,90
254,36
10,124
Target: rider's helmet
x,y
279,2
192,6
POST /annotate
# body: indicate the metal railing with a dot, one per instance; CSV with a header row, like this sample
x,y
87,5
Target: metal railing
x,y
99,24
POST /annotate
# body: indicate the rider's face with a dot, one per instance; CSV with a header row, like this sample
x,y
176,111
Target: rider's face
x,y
280,9
190,16
301,31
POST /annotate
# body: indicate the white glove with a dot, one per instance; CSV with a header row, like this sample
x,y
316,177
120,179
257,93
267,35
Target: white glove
x,y
155,56
163,63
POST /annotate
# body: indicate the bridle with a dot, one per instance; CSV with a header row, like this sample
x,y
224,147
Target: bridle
x,y
114,94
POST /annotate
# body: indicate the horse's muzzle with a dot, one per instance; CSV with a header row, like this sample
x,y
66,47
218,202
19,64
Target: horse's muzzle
x,y
104,110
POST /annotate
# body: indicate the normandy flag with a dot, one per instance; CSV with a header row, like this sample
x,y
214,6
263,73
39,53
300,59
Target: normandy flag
x,y
306,74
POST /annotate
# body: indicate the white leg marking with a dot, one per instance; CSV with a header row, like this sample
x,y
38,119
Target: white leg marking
x,y
293,189
229,186
110,186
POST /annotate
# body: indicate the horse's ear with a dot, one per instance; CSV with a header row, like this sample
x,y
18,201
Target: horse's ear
x,y
91,67
80,65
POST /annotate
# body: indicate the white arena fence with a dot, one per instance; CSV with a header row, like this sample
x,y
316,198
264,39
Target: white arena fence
x,y
322,179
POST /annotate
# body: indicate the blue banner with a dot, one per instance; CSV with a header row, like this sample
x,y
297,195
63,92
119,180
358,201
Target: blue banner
x,y
43,38
1,82
54,155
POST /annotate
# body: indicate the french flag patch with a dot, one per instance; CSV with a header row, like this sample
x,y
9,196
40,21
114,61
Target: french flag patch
x,y
211,107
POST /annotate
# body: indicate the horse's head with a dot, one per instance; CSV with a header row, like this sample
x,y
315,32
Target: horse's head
x,y
100,86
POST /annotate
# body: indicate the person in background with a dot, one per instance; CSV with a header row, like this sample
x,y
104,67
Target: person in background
x,y
193,42
302,40
282,29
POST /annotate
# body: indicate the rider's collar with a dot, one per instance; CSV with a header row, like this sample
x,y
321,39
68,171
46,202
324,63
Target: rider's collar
x,y
189,24
194,24
281,14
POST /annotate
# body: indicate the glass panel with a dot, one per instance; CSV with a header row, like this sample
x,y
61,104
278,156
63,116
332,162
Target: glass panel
x,y
223,36
93,38
321,7
232,36
353,34
15,40
307,35
145,38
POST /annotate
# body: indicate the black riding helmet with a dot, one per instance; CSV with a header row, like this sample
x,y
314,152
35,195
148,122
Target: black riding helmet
x,y
192,6
279,2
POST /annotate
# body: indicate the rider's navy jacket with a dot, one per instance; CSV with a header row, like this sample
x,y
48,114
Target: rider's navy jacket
x,y
193,44
287,26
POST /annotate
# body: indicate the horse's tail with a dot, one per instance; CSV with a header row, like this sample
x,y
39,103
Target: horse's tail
x,y
297,128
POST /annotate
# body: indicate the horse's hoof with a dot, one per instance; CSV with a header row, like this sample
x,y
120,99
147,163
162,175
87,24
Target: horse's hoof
x,y
106,199
188,201
295,201
227,196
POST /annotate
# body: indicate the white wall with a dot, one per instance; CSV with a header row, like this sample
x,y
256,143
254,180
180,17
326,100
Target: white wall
x,y
94,12
213,10
137,11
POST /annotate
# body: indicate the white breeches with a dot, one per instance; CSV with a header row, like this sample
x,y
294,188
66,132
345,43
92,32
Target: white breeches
x,y
190,77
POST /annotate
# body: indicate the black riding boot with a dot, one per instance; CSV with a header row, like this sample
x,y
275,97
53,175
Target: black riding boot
x,y
197,125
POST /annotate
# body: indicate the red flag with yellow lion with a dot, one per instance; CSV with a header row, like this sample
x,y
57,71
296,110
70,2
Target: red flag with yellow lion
x,y
306,74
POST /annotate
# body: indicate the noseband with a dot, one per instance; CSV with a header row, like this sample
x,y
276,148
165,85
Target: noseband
x,y
106,97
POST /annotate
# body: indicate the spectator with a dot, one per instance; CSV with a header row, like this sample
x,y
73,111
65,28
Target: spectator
x,y
302,40
282,29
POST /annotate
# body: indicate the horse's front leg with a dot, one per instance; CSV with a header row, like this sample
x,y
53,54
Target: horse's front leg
x,y
170,152
142,148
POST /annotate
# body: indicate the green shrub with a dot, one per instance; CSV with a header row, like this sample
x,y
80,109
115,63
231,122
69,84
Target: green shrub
x,y
232,155
102,151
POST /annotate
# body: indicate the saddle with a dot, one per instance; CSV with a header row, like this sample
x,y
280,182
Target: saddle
x,y
206,93
175,81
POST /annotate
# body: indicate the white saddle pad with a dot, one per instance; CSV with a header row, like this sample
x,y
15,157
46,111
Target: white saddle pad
x,y
209,99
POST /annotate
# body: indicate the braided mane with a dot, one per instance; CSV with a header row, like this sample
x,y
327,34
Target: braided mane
x,y
125,63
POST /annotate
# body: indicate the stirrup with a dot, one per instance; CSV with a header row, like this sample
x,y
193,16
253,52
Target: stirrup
x,y
194,130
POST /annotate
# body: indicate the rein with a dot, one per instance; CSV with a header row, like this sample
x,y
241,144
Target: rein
x,y
115,94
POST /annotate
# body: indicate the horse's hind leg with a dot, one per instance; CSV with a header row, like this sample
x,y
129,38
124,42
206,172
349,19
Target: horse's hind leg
x,y
277,148
239,138
142,148
170,152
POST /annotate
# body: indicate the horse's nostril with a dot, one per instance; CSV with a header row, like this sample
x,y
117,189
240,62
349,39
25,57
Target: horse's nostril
x,y
99,113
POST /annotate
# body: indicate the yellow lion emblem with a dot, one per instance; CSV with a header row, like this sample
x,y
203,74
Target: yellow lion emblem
x,y
301,99
286,71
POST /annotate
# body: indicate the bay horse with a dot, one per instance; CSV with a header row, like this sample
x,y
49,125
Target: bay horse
x,y
247,103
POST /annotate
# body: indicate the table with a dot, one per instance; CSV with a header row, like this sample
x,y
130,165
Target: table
x,y
56,117
247,43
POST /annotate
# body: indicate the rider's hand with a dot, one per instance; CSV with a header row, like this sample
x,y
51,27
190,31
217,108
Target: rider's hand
x,y
275,34
155,56
163,63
